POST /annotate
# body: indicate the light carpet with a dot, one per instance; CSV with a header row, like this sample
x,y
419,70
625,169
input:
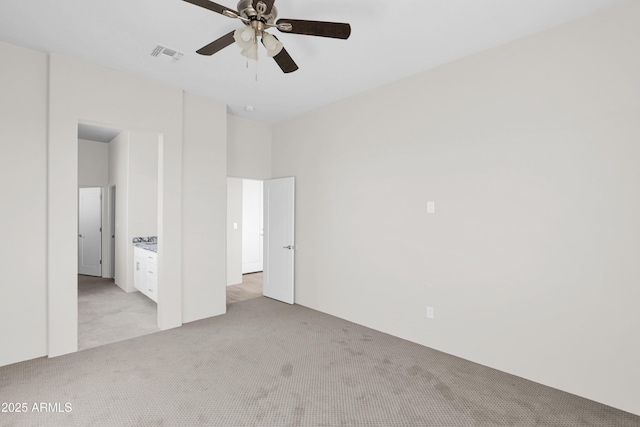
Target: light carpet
x,y
107,314
266,363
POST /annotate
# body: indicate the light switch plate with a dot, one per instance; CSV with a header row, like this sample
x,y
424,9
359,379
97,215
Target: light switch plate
x,y
431,207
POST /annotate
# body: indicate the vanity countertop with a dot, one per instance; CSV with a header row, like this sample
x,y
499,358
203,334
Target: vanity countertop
x,y
146,243
153,247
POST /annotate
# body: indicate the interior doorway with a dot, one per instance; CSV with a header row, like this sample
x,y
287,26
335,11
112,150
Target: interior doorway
x,y
245,246
109,307
260,239
249,288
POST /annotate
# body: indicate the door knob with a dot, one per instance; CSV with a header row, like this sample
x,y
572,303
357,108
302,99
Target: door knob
x,y
287,247
79,235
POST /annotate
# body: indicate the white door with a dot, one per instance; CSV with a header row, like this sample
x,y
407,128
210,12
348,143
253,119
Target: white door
x,y
90,231
279,244
251,226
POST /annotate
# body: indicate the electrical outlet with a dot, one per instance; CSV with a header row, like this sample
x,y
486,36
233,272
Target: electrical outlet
x,y
430,313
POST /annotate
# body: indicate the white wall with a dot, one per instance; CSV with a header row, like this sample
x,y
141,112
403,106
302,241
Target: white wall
x,y
531,154
248,156
79,91
142,197
39,246
143,184
248,148
23,165
204,211
234,236
133,169
119,177
93,163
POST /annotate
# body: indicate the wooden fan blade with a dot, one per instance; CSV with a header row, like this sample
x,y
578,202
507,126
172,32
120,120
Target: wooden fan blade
x,y
269,4
286,63
284,60
335,30
217,45
211,6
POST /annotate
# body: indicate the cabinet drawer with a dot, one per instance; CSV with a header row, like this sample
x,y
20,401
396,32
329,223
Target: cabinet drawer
x,y
151,272
151,257
152,289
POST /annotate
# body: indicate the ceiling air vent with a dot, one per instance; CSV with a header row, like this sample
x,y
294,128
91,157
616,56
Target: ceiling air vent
x,y
166,54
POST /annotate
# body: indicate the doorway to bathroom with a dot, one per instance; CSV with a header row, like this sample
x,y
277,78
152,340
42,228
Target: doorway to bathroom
x,y
109,307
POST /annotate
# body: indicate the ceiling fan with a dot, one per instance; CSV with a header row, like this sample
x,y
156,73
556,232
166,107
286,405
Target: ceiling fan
x,y
258,16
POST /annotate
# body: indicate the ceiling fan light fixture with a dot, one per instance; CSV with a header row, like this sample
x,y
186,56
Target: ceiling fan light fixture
x,y
251,52
273,45
245,37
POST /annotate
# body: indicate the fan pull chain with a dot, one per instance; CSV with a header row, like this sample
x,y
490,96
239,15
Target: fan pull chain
x,y
256,71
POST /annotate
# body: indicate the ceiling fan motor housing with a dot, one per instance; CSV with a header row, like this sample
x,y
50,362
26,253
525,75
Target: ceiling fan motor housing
x,y
259,13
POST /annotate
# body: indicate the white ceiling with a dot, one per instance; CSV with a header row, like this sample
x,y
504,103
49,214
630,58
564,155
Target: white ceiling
x,y
390,40
97,133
